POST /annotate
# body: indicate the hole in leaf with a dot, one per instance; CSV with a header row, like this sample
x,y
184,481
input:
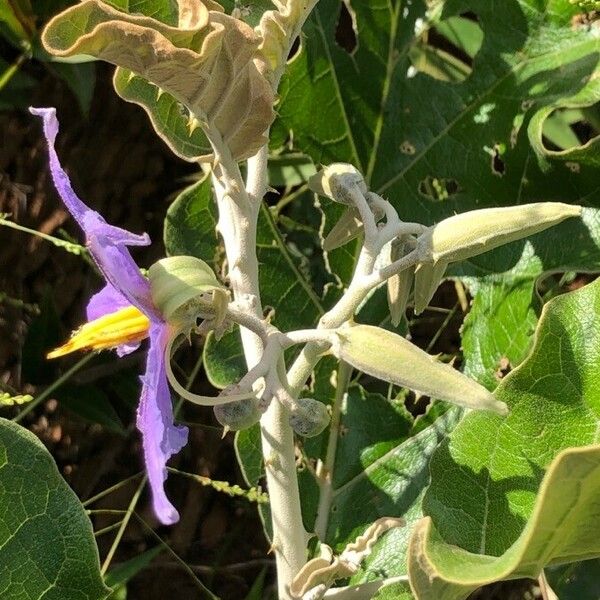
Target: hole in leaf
x,y
569,128
438,189
497,162
407,148
346,30
294,50
446,50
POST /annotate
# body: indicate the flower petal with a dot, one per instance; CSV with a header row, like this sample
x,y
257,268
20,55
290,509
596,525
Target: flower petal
x,y
106,301
161,437
107,244
119,269
61,180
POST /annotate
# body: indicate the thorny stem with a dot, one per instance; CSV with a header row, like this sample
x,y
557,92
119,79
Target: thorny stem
x,y
238,215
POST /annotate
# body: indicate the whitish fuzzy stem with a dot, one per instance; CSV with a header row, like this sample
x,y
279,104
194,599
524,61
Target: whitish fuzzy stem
x,y
238,215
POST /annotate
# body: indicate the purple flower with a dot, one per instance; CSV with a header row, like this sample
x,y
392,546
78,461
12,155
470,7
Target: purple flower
x,y
120,316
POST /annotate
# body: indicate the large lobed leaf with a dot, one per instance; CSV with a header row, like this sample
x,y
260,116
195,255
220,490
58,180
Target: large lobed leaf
x,y
206,62
436,148
511,495
47,547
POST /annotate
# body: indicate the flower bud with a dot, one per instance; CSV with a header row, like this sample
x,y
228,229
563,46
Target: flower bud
x,y
309,417
185,287
335,180
348,227
237,415
390,357
474,232
399,285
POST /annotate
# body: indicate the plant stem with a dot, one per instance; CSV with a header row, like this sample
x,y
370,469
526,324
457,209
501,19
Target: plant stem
x,y
238,216
50,389
325,470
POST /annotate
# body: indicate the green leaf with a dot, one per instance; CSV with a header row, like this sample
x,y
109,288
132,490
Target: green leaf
x,y
533,481
47,547
166,11
387,471
395,591
563,527
471,133
497,332
18,18
168,116
190,226
290,170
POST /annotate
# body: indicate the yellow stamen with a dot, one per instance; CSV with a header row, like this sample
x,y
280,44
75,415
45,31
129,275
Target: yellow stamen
x,y
124,326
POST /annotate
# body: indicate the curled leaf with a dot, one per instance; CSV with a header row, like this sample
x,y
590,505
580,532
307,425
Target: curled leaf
x,y
390,357
278,29
326,568
209,63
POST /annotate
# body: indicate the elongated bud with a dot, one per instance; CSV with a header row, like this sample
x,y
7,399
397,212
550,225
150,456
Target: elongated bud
x,y
238,415
428,277
348,227
335,180
390,357
400,285
471,233
185,287
309,417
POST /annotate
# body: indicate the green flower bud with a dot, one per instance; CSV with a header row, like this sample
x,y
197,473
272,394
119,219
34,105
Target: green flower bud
x,y
390,357
335,180
237,415
309,417
185,287
474,232
471,233
399,286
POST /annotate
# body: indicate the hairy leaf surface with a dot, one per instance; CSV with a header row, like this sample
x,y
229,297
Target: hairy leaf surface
x,y
47,547
517,493
208,62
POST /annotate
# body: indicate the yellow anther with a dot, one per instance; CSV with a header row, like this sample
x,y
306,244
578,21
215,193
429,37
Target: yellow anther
x,y
124,326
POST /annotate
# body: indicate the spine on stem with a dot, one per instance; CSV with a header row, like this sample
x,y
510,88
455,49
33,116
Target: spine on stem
x,y
238,215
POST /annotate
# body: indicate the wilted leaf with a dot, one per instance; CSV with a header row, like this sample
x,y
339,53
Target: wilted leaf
x,y
208,62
